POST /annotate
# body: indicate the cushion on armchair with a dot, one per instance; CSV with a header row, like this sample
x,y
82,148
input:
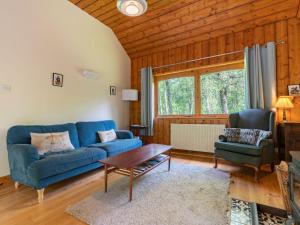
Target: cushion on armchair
x,y
246,136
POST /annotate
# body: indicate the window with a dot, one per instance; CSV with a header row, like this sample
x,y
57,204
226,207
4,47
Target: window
x,y
223,92
211,90
176,96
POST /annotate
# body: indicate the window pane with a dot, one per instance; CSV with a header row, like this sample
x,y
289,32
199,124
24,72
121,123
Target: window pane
x,y
223,92
176,96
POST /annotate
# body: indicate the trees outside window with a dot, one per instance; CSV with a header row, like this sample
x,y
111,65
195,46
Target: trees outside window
x,y
223,92
213,90
176,96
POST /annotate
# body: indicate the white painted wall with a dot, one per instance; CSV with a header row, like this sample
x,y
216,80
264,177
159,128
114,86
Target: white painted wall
x,y
39,37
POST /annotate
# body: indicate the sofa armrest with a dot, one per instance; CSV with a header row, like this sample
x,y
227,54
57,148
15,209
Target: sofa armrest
x,y
21,156
124,134
222,138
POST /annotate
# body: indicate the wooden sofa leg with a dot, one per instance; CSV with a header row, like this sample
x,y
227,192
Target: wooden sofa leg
x,y
256,174
40,195
216,162
16,185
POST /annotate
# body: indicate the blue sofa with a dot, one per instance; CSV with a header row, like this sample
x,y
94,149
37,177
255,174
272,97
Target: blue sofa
x,y
29,168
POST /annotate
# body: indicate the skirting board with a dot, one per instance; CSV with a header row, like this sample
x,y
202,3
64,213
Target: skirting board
x,y
5,180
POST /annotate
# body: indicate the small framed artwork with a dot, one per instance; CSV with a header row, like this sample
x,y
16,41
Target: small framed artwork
x,y
57,79
113,90
294,89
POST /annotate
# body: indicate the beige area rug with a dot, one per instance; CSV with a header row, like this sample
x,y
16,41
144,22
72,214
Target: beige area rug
x,y
187,195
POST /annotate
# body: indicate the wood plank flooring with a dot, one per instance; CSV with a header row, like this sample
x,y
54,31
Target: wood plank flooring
x,y
21,207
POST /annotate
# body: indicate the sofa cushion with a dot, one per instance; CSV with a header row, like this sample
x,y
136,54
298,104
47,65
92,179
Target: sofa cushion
x,y
45,142
118,146
107,136
21,134
239,148
87,131
61,162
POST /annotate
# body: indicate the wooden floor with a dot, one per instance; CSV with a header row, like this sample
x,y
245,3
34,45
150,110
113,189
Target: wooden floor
x,y
21,207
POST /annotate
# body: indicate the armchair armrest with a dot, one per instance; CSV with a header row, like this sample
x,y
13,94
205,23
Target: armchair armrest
x,y
21,156
265,143
124,134
222,138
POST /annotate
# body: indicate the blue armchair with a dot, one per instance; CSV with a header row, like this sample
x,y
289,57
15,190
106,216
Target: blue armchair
x,y
244,154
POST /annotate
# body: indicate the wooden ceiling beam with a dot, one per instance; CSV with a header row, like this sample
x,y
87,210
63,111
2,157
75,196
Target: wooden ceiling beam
x,y
115,15
85,3
98,5
208,25
75,1
158,9
206,7
216,33
191,18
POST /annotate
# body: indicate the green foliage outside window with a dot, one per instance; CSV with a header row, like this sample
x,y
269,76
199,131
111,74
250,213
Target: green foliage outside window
x,y
223,92
176,96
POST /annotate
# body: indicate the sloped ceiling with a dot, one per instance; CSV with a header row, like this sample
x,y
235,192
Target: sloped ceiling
x,y
174,23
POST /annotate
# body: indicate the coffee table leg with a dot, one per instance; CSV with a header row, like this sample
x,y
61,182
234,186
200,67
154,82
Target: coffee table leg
x,y
105,178
169,162
131,184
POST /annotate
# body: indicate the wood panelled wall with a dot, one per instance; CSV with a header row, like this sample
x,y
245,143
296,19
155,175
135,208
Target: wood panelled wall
x,y
288,65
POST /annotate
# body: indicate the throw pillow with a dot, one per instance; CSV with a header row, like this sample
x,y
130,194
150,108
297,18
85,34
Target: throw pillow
x,y
249,136
263,134
106,136
51,142
232,134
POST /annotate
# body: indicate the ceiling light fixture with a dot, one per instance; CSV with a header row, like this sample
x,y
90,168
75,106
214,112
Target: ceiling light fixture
x,y
132,7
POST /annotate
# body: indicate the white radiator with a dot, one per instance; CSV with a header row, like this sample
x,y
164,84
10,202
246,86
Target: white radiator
x,y
195,137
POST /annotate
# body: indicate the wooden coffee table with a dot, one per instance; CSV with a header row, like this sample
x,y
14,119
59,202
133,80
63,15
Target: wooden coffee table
x,y
137,162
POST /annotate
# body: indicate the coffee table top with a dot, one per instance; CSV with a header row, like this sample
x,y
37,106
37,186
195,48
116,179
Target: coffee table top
x,y
137,156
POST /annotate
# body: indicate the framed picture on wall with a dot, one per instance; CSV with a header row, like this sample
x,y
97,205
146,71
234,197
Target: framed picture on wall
x,y
113,90
294,89
57,80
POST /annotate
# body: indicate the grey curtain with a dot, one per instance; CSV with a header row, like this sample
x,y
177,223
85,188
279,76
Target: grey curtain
x,y
147,100
260,64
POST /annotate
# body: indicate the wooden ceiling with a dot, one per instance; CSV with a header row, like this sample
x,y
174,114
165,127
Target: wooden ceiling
x,y
174,23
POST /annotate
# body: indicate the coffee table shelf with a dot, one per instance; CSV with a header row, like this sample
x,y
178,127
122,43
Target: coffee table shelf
x,y
144,168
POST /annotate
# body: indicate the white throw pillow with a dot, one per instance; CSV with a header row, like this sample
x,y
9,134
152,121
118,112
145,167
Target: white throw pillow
x,y
108,135
54,142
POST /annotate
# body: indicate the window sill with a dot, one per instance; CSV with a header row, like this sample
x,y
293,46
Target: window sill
x,y
212,116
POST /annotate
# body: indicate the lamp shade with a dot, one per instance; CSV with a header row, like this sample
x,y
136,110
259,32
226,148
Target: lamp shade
x,y
132,7
129,95
284,102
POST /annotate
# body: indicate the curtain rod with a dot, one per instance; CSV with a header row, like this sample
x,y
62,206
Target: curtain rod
x,y
207,57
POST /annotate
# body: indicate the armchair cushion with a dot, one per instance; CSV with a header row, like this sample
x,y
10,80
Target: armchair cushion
x,y
245,136
252,150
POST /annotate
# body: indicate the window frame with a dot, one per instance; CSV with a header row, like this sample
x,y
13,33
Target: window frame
x,y
196,72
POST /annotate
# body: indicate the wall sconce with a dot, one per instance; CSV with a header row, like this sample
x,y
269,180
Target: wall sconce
x,y
90,75
5,88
